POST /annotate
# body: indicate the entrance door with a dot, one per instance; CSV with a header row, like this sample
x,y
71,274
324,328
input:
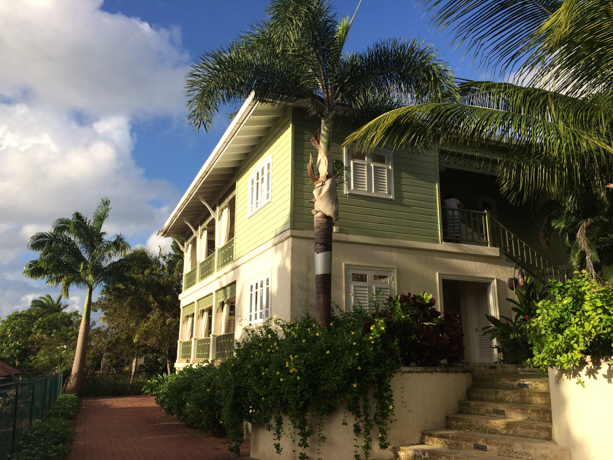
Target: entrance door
x,y
472,301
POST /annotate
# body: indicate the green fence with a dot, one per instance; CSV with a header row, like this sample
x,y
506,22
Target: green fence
x,y
22,402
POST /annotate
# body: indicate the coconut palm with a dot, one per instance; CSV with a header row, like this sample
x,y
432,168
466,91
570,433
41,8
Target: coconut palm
x,y
296,56
48,305
77,253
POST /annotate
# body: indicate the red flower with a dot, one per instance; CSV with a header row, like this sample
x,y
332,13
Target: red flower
x,y
527,318
493,320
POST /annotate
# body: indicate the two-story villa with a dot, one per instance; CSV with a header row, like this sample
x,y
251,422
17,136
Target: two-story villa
x,y
248,228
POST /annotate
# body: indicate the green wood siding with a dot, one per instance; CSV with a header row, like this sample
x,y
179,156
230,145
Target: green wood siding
x,y
273,217
412,215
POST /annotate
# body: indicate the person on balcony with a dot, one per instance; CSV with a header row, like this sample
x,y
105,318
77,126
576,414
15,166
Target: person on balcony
x,y
453,217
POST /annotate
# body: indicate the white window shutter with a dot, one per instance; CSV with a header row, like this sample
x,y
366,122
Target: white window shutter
x,y
380,176
359,176
360,294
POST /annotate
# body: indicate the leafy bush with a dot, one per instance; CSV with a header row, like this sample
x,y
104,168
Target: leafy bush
x,y
514,345
299,372
96,384
575,322
46,439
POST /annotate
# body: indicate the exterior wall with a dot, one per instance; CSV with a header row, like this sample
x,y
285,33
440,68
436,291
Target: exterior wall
x,y
273,218
412,215
583,417
417,267
423,398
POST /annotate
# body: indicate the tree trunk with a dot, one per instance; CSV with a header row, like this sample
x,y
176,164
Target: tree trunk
x,y
322,234
168,360
76,376
134,362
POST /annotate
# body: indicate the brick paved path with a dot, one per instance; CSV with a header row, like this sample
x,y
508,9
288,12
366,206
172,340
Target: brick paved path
x,y
135,428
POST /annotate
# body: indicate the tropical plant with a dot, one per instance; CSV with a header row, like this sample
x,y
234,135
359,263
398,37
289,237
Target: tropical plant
x,y
296,56
47,304
77,253
512,334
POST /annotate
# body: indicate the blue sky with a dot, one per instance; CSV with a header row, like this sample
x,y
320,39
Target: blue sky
x,y
92,105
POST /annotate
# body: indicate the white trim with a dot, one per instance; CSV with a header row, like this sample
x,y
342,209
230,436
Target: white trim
x,y
366,186
259,186
259,294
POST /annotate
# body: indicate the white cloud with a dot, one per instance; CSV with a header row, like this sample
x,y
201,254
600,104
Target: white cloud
x,y
72,80
70,55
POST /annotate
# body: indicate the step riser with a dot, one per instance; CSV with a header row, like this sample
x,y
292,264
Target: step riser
x,y
512,396
434,455
535,414
511,383
505,427
507,449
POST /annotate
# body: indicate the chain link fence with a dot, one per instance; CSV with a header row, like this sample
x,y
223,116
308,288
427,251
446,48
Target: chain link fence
x,y
21,403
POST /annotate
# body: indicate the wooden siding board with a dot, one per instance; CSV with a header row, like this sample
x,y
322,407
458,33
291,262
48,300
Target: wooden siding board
x,y
412,215
272,218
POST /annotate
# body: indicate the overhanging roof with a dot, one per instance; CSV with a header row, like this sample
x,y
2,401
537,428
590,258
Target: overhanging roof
x,y
250,125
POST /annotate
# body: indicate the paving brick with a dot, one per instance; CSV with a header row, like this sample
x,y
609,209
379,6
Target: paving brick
x,y
135,428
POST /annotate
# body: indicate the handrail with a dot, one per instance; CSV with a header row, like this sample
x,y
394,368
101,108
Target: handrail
x,y
203,348
479,227
224,345
190,278
207,267
186,349
225,254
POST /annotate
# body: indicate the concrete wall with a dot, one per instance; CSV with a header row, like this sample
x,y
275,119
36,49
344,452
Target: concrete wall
x,y
423,397
583,417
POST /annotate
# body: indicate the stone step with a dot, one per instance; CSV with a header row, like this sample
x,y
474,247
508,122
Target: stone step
x,y
489,369
422,452
511,382
496,444
504,409
495,425
514,396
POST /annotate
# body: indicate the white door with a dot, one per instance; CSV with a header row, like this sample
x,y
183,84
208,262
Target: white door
x,y
476,307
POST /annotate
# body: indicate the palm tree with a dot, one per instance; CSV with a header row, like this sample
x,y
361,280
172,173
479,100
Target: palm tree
x,y
48,305
556,132
77,253
296,55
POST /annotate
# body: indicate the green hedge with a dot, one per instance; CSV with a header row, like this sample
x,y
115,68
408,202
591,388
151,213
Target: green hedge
x,y
46,439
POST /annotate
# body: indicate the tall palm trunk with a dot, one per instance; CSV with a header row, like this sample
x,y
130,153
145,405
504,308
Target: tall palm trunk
x,y
76,376
322,234
133,371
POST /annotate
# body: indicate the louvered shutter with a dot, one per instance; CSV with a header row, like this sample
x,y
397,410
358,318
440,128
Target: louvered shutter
x,y
359,176
482,308
380,176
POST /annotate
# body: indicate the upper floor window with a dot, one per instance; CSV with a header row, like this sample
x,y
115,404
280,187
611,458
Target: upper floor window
x,y
259,300
259,185
370,172
368,286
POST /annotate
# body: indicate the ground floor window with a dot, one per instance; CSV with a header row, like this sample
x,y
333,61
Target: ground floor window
x,y
368,286
259,300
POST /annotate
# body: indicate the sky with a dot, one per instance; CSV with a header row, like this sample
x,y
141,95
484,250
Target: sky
x,y
92,105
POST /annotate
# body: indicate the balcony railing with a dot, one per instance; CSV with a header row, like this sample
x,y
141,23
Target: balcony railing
x,y
203,348
224,345
225,254
189,279
207,267
186,349
476,227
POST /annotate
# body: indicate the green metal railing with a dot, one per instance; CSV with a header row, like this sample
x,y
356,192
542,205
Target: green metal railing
x,y
203,348
224,346
206,267
476,227
190,278
186,350
225,254
21,403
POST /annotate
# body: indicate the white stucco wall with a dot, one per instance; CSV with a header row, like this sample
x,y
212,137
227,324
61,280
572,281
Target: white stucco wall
x,y
423,397
583,417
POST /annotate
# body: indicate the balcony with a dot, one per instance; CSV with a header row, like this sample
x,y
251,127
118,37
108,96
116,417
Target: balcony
x,y
190,278
207,267
203,348
224,255
224,346
186,350
479,227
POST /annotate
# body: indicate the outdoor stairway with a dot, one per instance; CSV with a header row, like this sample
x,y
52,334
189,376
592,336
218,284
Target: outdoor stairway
x,y
507,415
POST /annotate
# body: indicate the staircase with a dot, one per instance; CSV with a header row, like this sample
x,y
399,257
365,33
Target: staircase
x,y
507,415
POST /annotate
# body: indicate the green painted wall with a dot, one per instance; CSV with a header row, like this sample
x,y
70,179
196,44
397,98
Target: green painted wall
x,y
274,217
412,215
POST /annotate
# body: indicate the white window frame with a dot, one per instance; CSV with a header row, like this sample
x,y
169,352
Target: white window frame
x,y
261,177
370,285
259,295
353,187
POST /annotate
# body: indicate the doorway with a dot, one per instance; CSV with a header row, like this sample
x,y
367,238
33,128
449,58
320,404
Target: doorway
x,y
472,301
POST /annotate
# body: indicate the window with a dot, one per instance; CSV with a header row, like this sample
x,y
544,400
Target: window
x,y
259,300
259,185
370,173
367,286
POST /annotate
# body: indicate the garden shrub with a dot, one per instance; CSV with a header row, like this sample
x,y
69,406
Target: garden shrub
x,y
97,384
512,334
575,322
46,439
300,372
